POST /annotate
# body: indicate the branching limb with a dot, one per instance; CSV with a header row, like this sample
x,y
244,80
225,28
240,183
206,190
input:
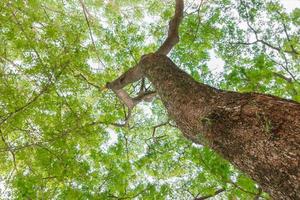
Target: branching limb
x,y
44,90
157,126
240,188
132,102
258,40
285,67
134,74
288,80
125,98
17,110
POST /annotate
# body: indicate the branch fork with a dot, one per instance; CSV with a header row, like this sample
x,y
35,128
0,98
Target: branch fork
x,y
134,74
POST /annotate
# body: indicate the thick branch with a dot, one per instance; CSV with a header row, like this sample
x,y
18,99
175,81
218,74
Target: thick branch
x,y
125,98
131,102
135,73
132,75
173,36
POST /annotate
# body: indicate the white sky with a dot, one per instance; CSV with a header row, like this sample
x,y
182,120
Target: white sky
x,y
290,4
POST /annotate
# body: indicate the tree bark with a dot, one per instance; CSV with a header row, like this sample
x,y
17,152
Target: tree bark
x,y
259,134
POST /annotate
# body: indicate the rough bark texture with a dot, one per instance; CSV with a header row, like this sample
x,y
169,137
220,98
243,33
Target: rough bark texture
x,y
259,134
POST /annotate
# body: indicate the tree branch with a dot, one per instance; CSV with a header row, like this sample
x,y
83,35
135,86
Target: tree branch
x,y
144,96
10,150
125,98
89,82
157,126
32,99
286,33
212,195
289,80
17,110
278,49
85,12
173,36
240,188
134,74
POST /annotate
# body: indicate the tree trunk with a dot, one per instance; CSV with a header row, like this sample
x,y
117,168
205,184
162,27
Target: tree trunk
x,y
259,134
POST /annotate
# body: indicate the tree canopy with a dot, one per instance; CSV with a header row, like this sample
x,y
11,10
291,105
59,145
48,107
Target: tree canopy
x,y
64,136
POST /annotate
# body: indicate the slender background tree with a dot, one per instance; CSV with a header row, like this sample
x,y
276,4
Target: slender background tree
x,y
63,136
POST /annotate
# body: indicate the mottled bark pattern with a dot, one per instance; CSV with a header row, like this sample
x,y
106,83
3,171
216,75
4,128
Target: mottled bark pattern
x,y
259,134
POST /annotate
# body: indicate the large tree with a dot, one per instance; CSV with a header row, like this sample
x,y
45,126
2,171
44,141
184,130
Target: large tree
x,y
62,133
260,134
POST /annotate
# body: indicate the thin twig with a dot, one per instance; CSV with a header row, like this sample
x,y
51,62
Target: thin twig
x,y
209,196
85,11
10,150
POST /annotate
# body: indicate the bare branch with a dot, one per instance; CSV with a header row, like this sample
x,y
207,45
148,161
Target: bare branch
x,y
173,36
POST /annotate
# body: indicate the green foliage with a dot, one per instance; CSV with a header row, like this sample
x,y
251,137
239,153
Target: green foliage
x,y
57,138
